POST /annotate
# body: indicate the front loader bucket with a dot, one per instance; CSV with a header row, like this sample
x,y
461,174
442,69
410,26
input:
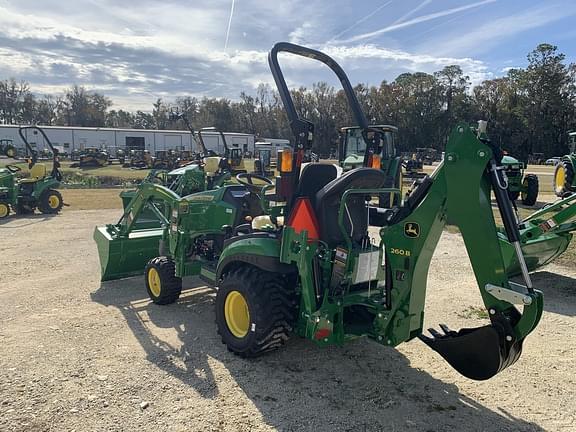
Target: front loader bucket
x,y
125,256
537,252
477,353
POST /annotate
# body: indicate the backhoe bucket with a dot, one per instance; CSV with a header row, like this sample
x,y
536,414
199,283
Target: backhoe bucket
x,y
477,353
125,256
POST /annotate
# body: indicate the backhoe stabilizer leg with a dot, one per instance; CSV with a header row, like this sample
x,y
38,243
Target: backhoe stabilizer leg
x,y
482,352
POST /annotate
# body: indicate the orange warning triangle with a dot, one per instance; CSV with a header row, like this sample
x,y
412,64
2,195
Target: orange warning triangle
x,y
303,218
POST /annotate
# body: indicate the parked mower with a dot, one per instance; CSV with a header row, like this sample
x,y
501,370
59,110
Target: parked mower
x,y
23,196
520,185
298,256
564,175
7,148
139,159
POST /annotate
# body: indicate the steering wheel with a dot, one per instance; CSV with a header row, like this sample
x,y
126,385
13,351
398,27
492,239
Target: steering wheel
x,y
247,179
13,168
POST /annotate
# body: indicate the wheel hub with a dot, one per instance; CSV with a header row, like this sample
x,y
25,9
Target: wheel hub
x,y
154,282
53,201
237,314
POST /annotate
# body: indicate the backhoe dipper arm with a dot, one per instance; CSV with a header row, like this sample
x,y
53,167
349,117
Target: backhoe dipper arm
x,y
461,194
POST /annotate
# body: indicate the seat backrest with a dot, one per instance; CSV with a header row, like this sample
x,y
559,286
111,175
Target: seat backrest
x,y
38,171
314,177
328,200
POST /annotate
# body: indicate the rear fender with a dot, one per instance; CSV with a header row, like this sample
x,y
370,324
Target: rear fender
x,y
261,252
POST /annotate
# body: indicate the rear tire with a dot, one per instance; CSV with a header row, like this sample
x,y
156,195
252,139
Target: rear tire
x,y
162,284
530,187
50,202
564,178
255,311
4,210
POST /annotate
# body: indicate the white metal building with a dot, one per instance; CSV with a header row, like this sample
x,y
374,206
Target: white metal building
x,y
67,139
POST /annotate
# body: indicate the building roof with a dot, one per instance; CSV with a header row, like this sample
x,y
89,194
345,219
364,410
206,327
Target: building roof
x,y
207,132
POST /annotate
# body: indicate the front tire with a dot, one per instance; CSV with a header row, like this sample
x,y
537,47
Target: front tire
x,y
530,188
50,202
563,178
255,311
162,284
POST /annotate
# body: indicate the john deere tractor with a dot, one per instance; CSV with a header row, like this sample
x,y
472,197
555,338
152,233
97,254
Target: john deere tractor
x,y
38,191
311,254
520,185
564,175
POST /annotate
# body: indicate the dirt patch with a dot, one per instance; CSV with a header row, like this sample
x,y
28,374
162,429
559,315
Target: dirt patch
x,y
81,355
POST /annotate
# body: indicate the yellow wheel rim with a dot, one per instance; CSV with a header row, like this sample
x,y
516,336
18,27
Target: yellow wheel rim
x,y
3,210
560,178
154,282
237,314
53,201
10,153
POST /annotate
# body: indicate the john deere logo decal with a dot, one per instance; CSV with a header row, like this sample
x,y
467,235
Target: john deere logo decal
x,y
412,229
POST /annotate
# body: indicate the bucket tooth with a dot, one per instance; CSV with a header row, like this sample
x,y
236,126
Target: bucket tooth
x,y
477,353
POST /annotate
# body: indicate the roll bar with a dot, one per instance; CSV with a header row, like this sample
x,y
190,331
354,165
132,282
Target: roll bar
x,y
34,153
303,129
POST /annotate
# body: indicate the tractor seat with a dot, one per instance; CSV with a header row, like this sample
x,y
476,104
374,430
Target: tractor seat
x,y
38,172
315,176
328,200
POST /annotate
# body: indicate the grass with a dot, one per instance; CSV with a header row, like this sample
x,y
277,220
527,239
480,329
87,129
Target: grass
x,y
474,312
110,171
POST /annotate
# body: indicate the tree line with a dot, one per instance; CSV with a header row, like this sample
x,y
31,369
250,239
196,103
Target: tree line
x,y
530,110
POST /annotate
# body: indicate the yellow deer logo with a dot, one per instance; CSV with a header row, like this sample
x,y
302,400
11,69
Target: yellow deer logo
x,y
412,229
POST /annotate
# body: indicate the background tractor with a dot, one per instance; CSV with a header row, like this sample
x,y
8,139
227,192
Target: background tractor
x,y
93,157
38,191
564,175
520,185
311,254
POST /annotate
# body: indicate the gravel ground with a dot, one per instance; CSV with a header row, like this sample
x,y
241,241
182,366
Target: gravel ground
x,y
78,355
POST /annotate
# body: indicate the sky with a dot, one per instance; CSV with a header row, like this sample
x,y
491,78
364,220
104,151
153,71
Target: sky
x,y
136,52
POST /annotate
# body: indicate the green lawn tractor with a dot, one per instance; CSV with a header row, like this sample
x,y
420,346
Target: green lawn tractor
x,y
564,175
7,148
311,254
38,191
520,185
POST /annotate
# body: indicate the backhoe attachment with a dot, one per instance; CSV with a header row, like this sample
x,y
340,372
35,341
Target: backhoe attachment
x,y
471,163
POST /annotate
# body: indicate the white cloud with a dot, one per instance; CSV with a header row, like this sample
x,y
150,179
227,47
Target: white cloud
x,y
414,21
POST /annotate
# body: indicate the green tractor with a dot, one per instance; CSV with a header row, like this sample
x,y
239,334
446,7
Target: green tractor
x,y
7,148
311,254
520,185
564,175
38,191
